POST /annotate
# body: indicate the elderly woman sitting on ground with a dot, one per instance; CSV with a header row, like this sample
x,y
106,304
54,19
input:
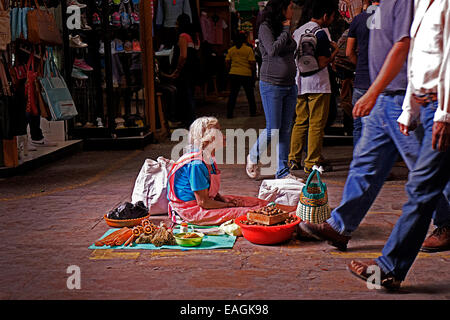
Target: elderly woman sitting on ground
x,y
194,181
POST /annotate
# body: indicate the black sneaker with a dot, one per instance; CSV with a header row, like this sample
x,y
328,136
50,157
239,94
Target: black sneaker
x,y
293,165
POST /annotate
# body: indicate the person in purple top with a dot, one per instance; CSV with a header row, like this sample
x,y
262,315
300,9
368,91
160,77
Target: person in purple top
x,y
358,53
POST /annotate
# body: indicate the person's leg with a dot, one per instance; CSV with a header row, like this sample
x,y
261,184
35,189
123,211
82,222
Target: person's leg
x,y
373,159
319,105
287,114
248,85
441,217
408,146
235,86
300,129
357,123
318,114
426,183
271,101
35,127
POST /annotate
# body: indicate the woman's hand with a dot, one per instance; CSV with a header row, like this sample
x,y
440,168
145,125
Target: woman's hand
x,y
235,201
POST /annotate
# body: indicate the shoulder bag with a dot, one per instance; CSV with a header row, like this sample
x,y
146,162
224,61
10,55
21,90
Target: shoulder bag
x,y
5,27
42,28
55,92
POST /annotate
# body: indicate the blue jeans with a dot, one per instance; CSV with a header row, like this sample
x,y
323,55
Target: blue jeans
x,y
357,123
279,108
426,183
373,158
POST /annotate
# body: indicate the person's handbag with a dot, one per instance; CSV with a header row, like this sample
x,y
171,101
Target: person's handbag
x,y
5,27
55,92
42,28
42,104
313,204
151,185
30,87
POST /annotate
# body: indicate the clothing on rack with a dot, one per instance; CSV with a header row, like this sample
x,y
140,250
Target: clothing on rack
x,y
169,10
212,28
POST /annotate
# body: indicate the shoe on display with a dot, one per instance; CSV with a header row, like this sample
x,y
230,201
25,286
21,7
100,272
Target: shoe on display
x,y
134,18
119,45
84,24
76,3
136,46
96,19
120,123
99,123
113,47
89,125
82,65
116,20
78,74
78,124
101,49
75,42
128,46
43,143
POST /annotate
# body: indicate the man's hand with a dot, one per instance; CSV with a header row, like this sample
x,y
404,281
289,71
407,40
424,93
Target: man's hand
x,y
287,23
405,129
364,105
441,136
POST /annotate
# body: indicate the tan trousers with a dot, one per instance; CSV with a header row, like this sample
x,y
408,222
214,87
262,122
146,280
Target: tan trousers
x,y
309,128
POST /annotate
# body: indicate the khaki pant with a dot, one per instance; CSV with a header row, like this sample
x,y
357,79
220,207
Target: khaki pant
x,y
309,128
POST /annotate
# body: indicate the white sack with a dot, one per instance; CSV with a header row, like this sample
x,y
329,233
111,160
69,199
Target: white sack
x,y
151,185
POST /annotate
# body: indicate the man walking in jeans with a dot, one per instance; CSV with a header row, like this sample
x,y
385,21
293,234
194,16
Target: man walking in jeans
x,y
427,99
381,140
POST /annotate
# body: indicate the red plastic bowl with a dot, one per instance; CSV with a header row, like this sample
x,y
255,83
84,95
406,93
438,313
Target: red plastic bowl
x,y
267,235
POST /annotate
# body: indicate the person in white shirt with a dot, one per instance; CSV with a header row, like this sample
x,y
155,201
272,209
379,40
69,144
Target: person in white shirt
x,y
428,101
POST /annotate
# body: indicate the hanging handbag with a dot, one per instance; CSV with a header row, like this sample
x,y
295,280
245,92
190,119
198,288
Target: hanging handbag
x,y
5,27
42,28
42,104
30,87
55,92
313,204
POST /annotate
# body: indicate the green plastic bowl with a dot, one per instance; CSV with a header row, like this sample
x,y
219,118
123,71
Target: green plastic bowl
x,y
189,242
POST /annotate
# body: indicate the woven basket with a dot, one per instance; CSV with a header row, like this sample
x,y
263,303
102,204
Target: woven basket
x,y
313,204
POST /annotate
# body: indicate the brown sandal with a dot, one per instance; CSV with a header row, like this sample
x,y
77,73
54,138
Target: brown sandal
x,y
359,269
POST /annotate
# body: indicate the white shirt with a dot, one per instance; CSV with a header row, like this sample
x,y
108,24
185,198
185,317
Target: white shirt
x,y
318,82
429,60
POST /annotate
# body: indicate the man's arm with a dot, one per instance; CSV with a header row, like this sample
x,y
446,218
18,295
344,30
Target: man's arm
x,y
441,127
392,65
350,51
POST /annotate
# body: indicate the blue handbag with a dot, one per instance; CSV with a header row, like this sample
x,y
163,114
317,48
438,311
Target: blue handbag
x,y
55,92
14,14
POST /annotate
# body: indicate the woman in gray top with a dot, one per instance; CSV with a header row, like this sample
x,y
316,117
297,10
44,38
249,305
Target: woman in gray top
x,y
277,86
